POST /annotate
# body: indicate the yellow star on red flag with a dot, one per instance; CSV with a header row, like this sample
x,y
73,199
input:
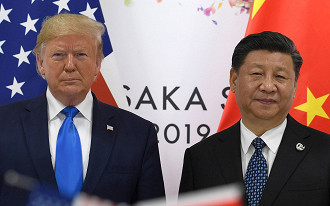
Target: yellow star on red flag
x,y
256,6
300,21
313,106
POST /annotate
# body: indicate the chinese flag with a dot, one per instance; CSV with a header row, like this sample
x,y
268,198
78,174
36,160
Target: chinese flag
x,y
306,23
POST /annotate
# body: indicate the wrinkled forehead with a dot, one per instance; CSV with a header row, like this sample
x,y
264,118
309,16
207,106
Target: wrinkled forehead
x,y
73,40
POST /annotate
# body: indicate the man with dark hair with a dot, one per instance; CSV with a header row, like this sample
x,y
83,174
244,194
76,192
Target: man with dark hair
x,y
278,160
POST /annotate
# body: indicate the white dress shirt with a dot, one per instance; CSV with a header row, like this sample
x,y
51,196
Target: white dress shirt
x,y
82,121
272,138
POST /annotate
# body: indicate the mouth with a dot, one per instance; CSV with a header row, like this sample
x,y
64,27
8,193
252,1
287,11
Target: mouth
x,y
266,101
70,80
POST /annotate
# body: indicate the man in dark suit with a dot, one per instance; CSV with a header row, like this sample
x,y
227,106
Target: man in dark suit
x,y
118,157
293,161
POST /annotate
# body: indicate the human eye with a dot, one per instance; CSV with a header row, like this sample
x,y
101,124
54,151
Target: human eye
x,y
58,55
280,76
256,73
80,54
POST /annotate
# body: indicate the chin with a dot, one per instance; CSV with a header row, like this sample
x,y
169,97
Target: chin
x,y
72,92
266,115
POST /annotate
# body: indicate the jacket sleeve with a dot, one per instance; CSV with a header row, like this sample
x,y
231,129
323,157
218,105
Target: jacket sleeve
x,y
150,183
187,183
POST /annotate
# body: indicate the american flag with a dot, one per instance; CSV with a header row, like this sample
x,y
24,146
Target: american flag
x,y
20,22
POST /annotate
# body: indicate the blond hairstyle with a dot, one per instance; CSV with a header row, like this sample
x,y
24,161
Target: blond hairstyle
x,y
65,24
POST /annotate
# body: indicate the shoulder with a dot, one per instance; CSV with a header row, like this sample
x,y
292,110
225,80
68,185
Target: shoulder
x,y
229,135
15,107
319,139
303,130
124,117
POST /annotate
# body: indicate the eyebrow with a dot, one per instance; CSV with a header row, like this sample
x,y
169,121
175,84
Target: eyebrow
x,y
279,68
257,65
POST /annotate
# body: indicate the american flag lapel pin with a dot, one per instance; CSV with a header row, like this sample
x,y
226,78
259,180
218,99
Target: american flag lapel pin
x,y
109,127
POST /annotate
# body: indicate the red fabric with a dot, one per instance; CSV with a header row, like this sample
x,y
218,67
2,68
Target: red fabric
x,y
102,91
306,23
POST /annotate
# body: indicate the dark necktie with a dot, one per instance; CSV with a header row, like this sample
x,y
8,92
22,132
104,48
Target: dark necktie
x,y
68,164
256,174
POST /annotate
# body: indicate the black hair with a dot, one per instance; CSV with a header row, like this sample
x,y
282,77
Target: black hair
x,y
270,41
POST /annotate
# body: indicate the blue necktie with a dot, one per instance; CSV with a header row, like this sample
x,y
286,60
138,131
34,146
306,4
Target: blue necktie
x,y
68,164
256,174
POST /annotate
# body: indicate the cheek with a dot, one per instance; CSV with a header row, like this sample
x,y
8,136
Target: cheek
x,y
52,73
291,96
288,91
90,70
247,88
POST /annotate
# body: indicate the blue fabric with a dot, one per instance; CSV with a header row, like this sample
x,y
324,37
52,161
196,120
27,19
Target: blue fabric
x,y
68,164
256,174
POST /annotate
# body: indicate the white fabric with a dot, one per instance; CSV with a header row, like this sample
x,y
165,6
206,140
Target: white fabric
x,y
272,138
82,121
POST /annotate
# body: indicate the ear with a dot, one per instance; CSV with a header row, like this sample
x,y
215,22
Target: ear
x,y
97,67
233,80
40,61
295,88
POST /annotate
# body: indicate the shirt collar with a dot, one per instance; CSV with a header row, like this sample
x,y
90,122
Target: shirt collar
x,y
55,107
272,137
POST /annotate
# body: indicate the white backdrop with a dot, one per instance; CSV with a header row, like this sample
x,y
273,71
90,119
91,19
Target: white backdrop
x,y
174,61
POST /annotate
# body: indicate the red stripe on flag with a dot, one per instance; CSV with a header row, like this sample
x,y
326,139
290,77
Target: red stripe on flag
x,y
101,90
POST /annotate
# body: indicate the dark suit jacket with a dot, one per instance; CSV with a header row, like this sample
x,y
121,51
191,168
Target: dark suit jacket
x,y
296,177
124,164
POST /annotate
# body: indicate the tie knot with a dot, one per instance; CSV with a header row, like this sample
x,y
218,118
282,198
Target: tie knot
x,y
258,143
70,111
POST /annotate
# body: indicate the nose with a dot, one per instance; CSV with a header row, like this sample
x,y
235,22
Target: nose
x,y
268,85
69,64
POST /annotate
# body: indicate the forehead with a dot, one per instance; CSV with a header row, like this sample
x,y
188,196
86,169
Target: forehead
x,y
75,41
267,59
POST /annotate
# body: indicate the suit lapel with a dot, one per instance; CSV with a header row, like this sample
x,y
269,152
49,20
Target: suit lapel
x,y
228,154
103,139
287,160
35,124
